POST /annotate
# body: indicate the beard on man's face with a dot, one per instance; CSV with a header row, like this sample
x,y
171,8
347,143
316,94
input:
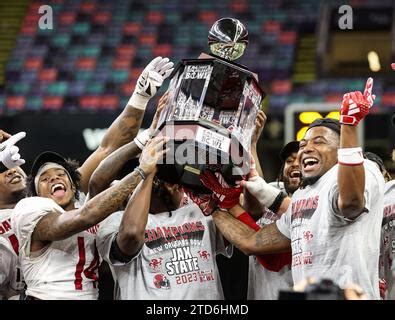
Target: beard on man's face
x,y
308,181
290,188
18,194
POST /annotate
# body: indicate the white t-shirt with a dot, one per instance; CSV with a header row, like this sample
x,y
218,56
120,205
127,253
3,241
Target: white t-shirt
x,y
11,281
65,269
264,284
327,245
387,248
177,261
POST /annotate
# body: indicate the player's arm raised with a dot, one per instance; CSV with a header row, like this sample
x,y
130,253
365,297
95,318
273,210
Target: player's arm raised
x,y
126,126
259,125
130,237
109,168
54,226
351,173
9,153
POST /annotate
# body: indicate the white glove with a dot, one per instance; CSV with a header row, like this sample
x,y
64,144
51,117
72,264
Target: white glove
x,y
150,81
261,190
9,153
142,138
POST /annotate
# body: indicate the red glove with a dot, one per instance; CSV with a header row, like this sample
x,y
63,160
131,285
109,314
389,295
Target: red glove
x,y
226,196
205,202
382,288
356,106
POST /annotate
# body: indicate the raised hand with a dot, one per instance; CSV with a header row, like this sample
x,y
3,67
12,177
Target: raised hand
x,y
161,105
205,202
9,153
4,136
143,137
355,105
259,125
152,153
226,196
150,81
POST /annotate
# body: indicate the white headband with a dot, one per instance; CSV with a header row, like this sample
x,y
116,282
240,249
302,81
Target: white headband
x,y
45,167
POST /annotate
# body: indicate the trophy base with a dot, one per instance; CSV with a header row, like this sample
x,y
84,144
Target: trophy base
x,y
196,146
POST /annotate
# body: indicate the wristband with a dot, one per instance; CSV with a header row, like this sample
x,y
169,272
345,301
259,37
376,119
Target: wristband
x,y
142,138
247,219
350,156
138,101
140,172
277,202
262,191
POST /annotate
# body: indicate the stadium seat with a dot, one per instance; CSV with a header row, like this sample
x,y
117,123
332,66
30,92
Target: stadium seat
x,y
52,102
100,48
34,103
109,102
15,102
90,102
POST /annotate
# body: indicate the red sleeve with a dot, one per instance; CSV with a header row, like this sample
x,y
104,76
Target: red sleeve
x,y
272,262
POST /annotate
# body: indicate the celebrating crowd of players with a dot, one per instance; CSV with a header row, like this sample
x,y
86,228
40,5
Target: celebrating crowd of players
x,y
329,215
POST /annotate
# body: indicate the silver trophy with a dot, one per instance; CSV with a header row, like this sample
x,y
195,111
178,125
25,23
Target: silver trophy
x,y
228,38
210,116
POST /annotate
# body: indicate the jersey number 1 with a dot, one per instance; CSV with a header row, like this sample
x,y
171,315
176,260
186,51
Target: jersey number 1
x,y
88,272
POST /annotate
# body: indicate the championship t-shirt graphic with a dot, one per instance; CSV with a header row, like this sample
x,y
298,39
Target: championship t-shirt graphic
x,y
178,251
177,260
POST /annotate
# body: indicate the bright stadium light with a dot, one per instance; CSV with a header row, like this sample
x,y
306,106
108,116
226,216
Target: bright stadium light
x,y
308,117
374,61
298,117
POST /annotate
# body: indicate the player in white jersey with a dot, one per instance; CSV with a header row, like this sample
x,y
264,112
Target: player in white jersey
x,y
56,240
12,188
159,247
333,223
265,281
388,236
175,259
387,243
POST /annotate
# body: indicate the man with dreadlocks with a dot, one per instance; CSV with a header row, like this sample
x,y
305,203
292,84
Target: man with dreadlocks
x,y
159,247
56,234
333,221
56,239
268,274
387,241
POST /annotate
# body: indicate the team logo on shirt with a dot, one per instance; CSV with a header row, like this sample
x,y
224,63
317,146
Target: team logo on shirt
x,y
204,255
161,282
307,235
155,264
